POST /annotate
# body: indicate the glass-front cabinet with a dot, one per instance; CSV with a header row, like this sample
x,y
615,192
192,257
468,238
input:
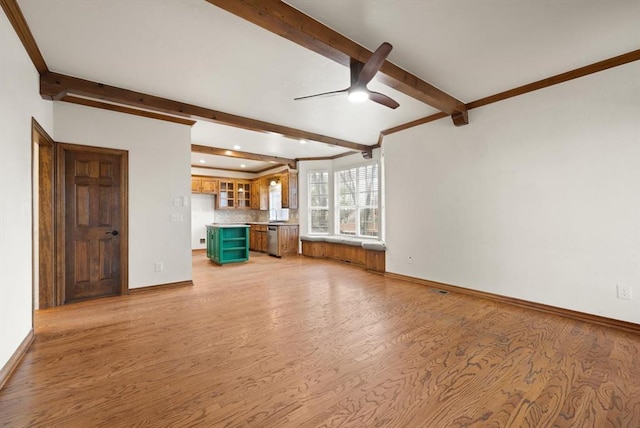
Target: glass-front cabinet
x,y
244,194
226,194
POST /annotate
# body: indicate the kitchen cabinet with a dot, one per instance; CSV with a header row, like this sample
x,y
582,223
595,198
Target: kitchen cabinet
x,y
264,194
208,185
289,183
233,194
288,236
228,243
255,194
258,238
244,194
226,194
260,194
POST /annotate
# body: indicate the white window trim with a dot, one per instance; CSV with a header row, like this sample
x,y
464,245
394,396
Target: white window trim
x,y
310,209
336,199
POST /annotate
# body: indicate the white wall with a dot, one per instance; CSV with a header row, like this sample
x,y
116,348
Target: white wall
x,y
537,198
19,102
202,214
159,172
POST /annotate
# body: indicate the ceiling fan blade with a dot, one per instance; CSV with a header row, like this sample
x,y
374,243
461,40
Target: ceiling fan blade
x,y
383,99
374,63
324,94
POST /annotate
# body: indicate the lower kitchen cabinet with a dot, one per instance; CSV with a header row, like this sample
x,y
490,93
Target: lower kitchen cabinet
x,y
258,238
228,244
288,237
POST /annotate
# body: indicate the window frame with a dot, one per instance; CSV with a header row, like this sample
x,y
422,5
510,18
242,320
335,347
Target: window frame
x,y
312,208
358,207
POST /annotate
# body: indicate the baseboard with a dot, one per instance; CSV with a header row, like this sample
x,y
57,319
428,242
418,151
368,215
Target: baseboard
x,y
568,313
13,362
161,286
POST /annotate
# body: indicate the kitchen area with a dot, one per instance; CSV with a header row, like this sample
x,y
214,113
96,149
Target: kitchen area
x,y
232,216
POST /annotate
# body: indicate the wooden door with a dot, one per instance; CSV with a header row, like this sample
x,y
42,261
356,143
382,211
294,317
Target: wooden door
x,y
94,223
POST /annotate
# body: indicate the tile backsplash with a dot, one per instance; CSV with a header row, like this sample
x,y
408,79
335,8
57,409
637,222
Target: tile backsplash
x,y
240,216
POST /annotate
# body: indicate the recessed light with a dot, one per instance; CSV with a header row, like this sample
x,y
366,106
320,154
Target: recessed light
x,y
228,152
243,166
202,161
236,147
303,141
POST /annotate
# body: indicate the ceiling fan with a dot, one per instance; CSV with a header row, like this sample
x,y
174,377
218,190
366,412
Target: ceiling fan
x,y
361,74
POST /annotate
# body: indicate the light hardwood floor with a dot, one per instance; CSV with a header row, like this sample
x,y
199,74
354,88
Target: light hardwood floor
x,y
299,342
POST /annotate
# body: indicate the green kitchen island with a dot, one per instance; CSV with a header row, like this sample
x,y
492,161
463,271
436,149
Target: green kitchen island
x,y
228,243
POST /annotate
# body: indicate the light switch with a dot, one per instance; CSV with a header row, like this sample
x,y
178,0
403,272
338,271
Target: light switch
x,y
176,217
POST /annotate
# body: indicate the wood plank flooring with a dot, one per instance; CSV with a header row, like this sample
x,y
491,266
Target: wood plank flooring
x,y
298,342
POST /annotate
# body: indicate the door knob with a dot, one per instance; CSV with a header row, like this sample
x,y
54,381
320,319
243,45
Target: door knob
x,y
113,232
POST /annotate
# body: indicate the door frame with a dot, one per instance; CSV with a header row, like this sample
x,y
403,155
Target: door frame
x,y
44,244
60,213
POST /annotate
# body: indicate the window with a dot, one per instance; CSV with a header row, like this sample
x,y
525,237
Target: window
x,y
319,202
357,201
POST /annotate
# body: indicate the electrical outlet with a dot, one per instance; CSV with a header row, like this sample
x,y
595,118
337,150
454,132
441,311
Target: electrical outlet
x,y
624,292
159,266
202,241
409,259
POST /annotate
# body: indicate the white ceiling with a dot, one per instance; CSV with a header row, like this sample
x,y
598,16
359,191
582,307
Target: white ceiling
x,y
192,51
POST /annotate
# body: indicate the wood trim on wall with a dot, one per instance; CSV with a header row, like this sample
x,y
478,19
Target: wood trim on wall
x,y
530,87
46,233
540,307
10,366
178,284
558,78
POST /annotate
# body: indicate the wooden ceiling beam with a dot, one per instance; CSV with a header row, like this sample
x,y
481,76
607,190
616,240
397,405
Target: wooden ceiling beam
x,y
55,86
127,110
196,148
15,16
288,22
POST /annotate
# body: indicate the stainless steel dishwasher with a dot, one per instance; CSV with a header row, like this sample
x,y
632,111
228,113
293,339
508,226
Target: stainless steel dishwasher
x,y
272,240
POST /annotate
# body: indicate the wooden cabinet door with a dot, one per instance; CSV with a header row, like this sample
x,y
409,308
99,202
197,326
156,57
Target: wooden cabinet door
x,y
283,240
244,194
284,182
209,185
264,194
196,185
253,239
226,195
255,194
293,190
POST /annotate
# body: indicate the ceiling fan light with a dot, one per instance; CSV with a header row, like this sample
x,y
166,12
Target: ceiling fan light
x,y
358,96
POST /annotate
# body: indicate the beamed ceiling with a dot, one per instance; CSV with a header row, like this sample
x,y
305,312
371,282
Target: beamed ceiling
x,y
233,67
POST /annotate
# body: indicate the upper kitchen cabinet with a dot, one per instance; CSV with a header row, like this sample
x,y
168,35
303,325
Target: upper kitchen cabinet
x,y
202,184
226,195
289,183
260,194
244,194
234,194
